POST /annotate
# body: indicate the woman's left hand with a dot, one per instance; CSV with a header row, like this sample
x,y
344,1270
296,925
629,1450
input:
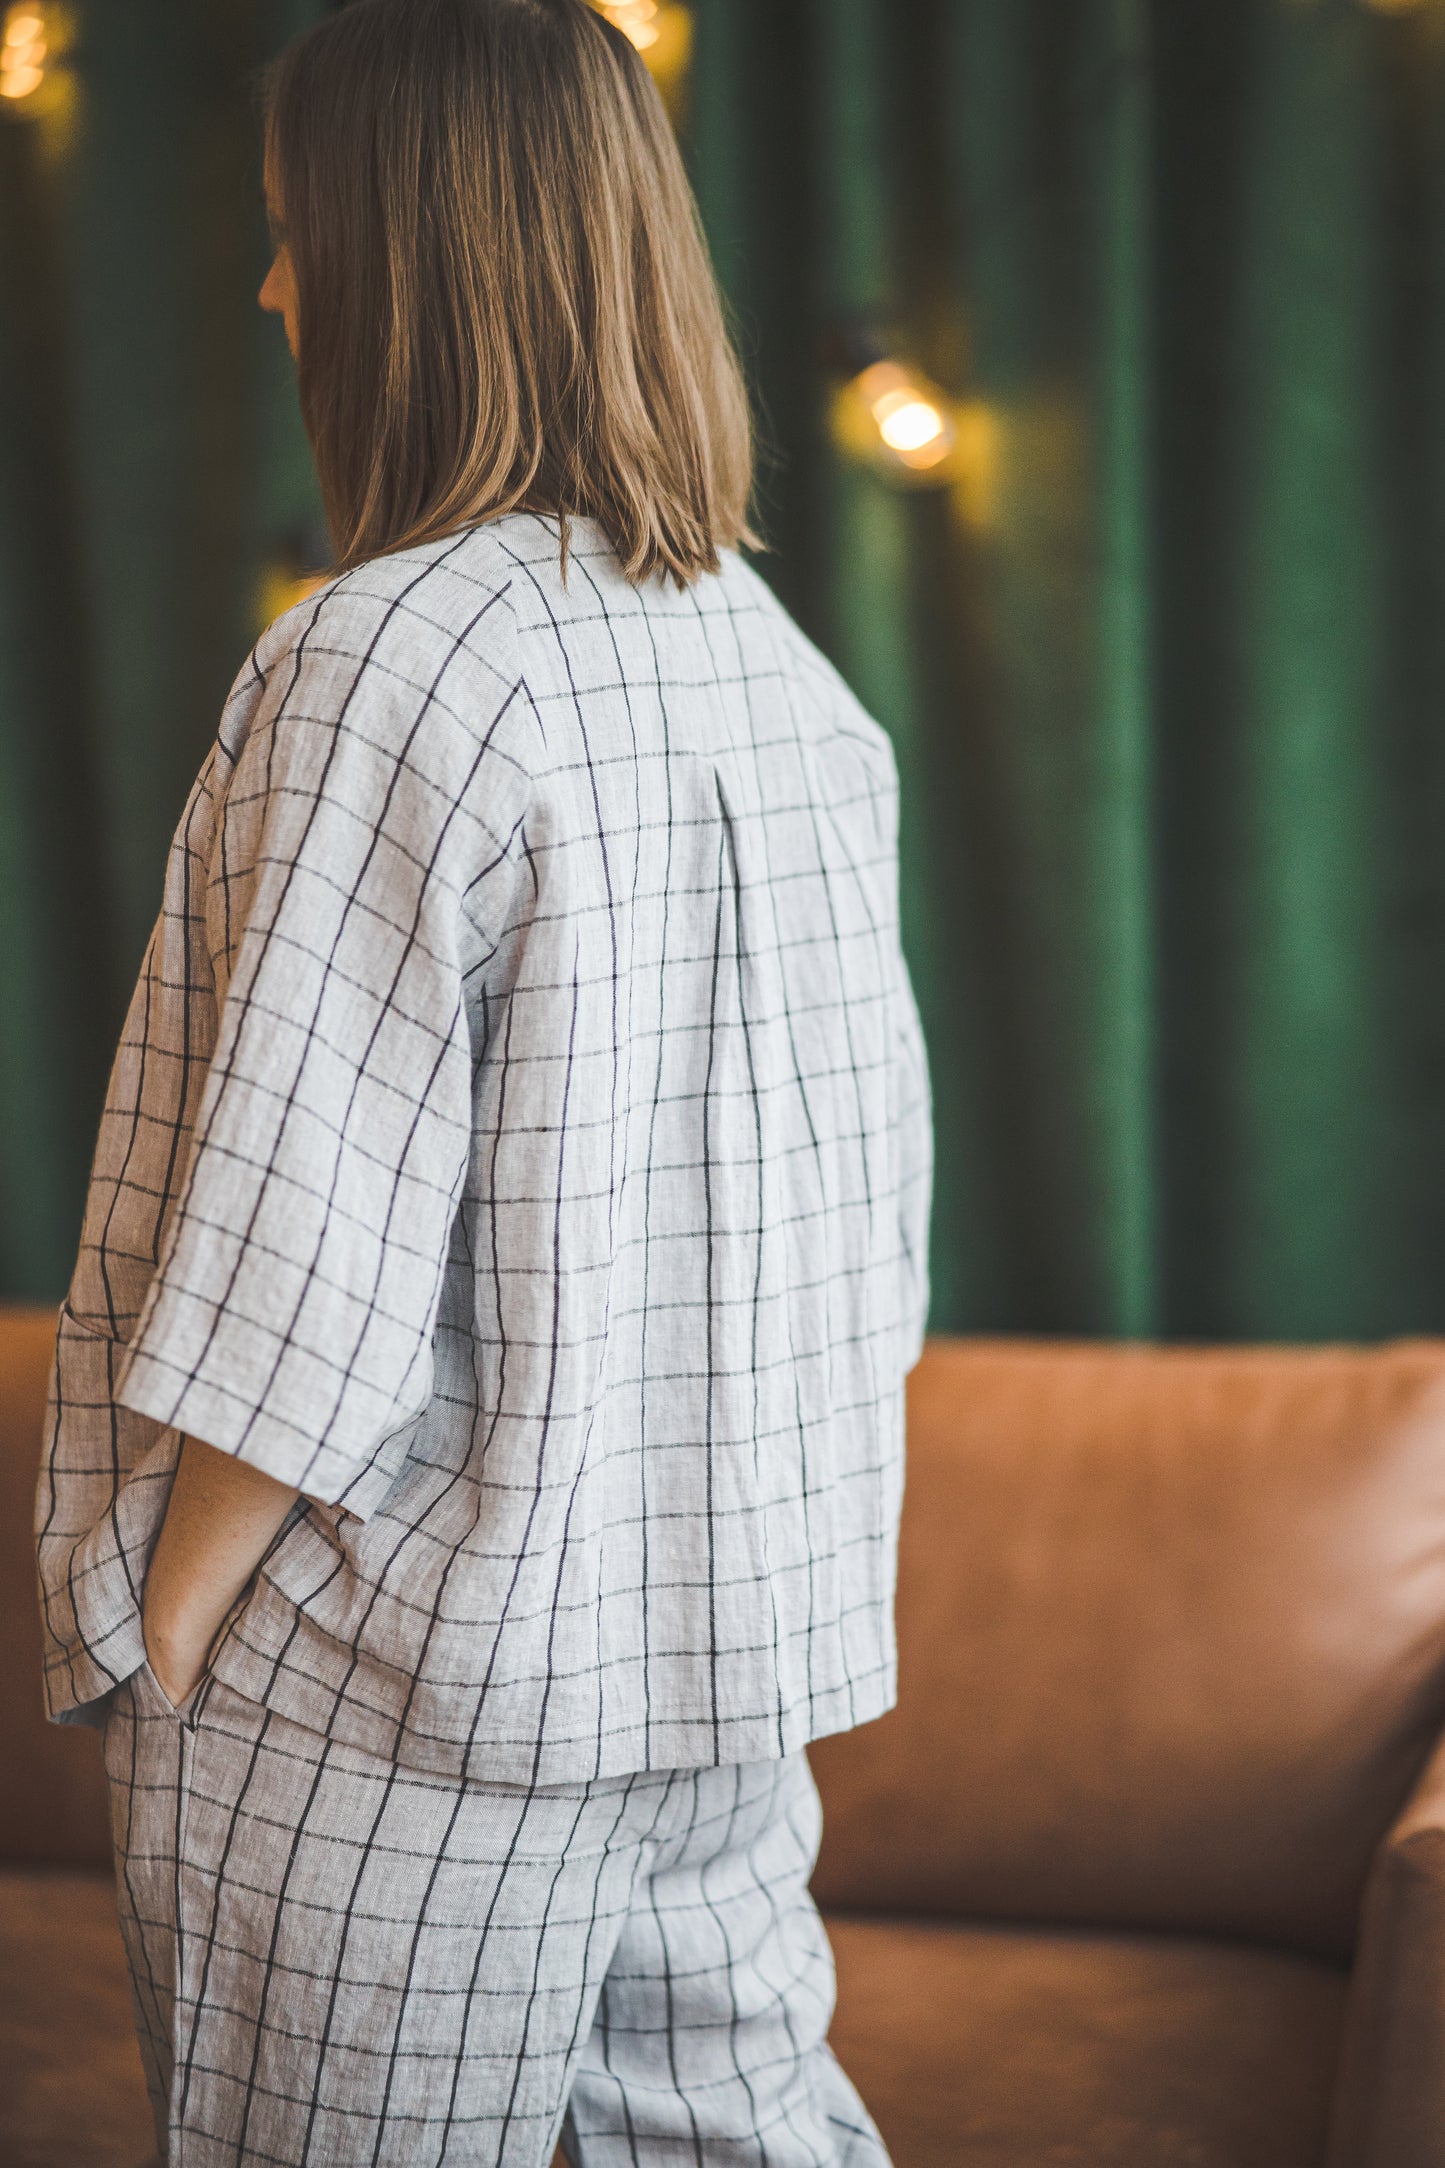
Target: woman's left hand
x,y
176,1646
220,1521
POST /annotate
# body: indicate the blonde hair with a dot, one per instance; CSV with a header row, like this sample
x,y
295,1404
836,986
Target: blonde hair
x,y
504,299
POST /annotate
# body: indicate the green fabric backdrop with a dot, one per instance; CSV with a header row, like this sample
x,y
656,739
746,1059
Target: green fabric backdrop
x,y
1169,719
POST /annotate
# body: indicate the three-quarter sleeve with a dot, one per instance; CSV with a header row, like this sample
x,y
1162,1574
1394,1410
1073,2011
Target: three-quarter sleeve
x,y
361,835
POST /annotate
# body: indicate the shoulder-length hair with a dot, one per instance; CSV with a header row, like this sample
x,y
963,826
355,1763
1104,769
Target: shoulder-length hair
x,y
504,300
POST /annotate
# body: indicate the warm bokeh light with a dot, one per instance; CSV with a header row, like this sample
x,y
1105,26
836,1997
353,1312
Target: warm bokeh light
x,y
891,416
910,415
32,40
662,34
637,19
911,427
23,49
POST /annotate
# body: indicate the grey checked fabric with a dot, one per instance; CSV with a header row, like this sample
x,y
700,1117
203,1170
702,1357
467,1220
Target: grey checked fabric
x,y
519,1141
345,1964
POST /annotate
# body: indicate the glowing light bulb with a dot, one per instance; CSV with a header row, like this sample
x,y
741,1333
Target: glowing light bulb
x,y
25,44
909,414
636,19
37,84
891,417
661,31
911,426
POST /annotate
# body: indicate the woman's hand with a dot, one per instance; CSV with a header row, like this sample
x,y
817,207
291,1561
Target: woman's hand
x,y
176,1650
219,1523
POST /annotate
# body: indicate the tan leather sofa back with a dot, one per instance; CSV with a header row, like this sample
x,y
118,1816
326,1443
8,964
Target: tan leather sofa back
x,y
1172,1632
52,1794
1172,1635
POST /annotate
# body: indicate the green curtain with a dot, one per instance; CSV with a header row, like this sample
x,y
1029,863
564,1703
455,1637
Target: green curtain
x,y
1172,722
1168,693
152,464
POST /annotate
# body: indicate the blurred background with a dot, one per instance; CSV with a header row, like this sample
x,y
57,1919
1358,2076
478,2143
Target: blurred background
x,y
1098,350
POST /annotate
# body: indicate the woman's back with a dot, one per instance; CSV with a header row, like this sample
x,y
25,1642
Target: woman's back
x,y
552,929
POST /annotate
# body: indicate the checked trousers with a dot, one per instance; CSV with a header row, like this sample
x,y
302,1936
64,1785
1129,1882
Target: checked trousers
x,y
337,1961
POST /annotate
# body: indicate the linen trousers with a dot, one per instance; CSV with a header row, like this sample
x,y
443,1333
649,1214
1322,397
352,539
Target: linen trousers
x,y
339,1961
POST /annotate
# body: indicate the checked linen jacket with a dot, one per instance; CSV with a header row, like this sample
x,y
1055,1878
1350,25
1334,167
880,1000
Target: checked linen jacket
x,y
519,1140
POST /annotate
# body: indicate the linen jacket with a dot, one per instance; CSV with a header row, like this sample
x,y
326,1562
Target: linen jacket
x,y
519,1141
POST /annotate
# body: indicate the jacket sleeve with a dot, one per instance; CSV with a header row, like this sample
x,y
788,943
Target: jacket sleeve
x,y
362,842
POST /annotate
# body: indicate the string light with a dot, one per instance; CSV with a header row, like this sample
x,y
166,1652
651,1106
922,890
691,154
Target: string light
x,y
892,416
888,415
636,19
35,35
662,34
24,49
910,422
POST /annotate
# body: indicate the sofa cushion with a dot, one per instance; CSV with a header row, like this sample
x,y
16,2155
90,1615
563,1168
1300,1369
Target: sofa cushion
x,y
71,2090
987,2047
1172,1638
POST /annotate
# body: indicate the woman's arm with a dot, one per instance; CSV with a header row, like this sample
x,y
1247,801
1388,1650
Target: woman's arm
x,y
219,1523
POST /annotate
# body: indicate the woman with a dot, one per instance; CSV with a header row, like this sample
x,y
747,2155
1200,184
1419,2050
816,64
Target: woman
x,y
475,1445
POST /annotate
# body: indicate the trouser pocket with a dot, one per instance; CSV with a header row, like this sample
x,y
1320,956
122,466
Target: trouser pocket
x,y
180,1712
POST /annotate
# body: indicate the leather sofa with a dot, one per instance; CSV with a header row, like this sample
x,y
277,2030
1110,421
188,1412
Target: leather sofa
x,y
1146,1870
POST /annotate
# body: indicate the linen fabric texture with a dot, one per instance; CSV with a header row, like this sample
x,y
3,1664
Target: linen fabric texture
x,y
335,1960
519,1141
